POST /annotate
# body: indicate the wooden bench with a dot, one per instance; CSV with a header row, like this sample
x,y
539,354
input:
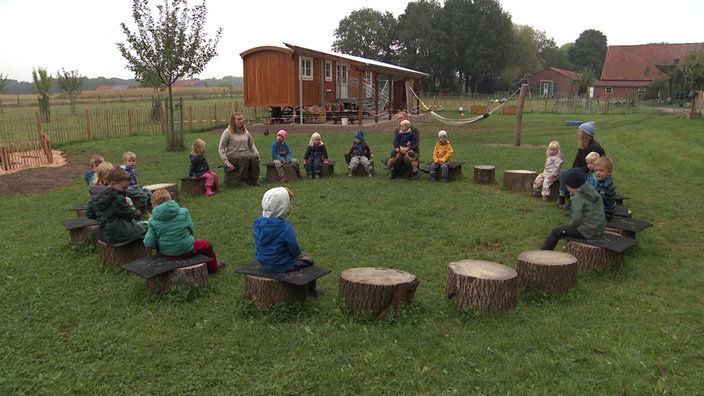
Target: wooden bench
x,y
267,289
408,172
172,188
116,253
192,186
327,170
620,198
626,226
232,177
482,285
622,211
164,273
80,228
455,170
80,210
273,176
604,252
376,290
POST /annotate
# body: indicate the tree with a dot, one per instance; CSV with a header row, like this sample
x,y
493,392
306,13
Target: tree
x,y
589,51
172,47
367,33
70,84
419,33
43,82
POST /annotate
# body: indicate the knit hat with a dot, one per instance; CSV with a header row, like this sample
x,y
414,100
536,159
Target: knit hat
x,y
442,134
283,133
575,178
359,135
588,127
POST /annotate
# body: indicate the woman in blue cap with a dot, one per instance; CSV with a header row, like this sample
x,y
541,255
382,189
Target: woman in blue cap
x,y
587,144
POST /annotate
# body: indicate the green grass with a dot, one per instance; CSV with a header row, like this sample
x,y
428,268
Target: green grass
x,y
71,327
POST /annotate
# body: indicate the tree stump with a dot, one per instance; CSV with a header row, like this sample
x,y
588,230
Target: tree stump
x,y
191,186
172,188
111,256
484,174
547,270
267,292
376,289
194,275
273,176
590,257
519,180
232,177
482,285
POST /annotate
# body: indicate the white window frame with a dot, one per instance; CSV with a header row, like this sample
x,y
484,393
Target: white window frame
x,y
306,68
328,70
608,90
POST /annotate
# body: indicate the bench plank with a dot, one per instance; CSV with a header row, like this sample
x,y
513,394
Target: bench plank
x,y
79,222
151,266
613,242
299,277
626,224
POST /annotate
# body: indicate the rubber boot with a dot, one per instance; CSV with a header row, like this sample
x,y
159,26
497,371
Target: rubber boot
x,y
209,188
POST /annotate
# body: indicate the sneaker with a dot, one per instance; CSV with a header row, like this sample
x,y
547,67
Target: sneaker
x,y
310,175
444,180
432,177
317,176
369,174
349,174
391,175
545,199
282,179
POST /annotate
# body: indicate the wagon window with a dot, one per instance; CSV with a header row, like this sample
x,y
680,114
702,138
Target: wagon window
x,y
306,68
328,70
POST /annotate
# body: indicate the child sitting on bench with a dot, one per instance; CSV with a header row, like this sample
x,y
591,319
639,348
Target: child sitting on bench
x,y
360,155
171,232
551,171
442,152
199,168
316,155
588,221
276,247
590,159
281,155
140,196
109,206
89,176
605,185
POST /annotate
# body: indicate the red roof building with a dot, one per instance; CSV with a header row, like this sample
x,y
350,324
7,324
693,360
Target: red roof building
x,y
554,82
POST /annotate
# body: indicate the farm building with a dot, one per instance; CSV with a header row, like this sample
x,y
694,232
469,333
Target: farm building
x,y
630,69
554,82
313,86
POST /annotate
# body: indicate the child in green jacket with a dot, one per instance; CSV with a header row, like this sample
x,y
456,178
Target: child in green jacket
x,y
587,211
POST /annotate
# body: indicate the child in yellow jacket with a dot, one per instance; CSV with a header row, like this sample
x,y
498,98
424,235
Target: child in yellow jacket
x,y
441,157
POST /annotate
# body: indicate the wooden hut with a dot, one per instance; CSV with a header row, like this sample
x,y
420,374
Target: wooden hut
x,y
302,82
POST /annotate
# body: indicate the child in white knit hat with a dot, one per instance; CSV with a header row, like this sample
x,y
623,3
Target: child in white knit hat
x,y
441,157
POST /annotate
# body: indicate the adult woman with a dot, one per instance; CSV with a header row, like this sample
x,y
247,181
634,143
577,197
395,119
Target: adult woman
x,y
237,150
587,144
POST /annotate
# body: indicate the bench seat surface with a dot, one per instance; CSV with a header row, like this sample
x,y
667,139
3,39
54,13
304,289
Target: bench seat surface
x,y
151,266
298,277
613,242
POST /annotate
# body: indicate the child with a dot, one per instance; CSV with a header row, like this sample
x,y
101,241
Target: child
x,y
89,176
605,185
590,159
199,168
316,155
551,172
441,157
171,232
405,154
360,154
281,155
140,196
275,243
588,221
108,205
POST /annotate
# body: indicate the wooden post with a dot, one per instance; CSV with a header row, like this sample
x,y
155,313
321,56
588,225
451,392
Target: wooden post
x,y
519,114
129,122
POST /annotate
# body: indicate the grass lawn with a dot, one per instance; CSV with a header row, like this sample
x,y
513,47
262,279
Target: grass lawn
x,y
71,327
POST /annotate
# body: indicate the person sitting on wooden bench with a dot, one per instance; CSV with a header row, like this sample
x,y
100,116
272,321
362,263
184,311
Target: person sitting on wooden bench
x,y
108,204
587,211
276,246
442,152
172,233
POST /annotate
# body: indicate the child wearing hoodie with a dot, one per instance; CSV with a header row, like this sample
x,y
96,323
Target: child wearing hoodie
x,y
442,152
172,233
360,155
108,205
587,211
275,243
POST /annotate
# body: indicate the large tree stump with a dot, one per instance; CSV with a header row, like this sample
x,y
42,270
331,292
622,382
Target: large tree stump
x,y
519,180
111,255
172,188
590,257
192,186
267,292
273,176
484,174
547,270
194,275
376,289
482,285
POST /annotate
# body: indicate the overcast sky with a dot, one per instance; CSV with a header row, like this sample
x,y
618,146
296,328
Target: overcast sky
x,y
82,34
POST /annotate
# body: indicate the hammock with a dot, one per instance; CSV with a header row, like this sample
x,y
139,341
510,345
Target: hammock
x,y
463,121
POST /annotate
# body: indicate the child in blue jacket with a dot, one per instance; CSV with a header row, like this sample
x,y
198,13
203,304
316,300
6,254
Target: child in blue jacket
x,y
281,155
